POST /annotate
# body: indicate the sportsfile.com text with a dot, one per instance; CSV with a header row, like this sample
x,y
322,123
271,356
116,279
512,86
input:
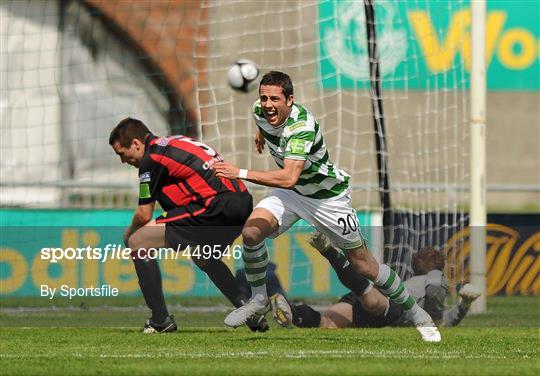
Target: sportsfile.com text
x,y
118,252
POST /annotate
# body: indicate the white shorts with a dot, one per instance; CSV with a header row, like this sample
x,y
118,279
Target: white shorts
x,y
334,217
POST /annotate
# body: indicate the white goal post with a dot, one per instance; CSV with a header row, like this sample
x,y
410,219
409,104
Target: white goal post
x,y
478,216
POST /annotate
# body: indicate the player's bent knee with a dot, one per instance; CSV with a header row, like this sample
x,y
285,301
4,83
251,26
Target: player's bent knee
x,y
252,235
327,323
138,241
370,304
374,302
134,242
258,227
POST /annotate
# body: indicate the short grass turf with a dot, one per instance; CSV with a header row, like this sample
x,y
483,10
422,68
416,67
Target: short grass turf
x,y
101,341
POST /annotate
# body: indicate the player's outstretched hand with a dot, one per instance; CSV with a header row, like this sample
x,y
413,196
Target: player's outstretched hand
x,y
226,170
319,241
259,142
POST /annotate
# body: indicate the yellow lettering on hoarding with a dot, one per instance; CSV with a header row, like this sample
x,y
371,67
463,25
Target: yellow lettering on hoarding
x,y
90,268
515,278
18,270
531,281
439,56
282,259
512,58
90,273
179,275
509,269
519,265
494,25
501,240
534,277
41,272
230,261
320,271
90,238
121,274
70,238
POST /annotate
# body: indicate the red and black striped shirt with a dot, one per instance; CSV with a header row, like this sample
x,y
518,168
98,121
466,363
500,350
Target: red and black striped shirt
x,y
177,171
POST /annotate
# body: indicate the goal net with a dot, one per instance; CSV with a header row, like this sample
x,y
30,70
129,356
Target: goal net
x,y
70,70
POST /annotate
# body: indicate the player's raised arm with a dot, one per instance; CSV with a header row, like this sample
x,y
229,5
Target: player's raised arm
x,y
141,216
286,178
259,141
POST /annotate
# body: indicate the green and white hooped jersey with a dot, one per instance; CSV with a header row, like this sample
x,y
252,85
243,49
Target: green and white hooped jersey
x,y
300,138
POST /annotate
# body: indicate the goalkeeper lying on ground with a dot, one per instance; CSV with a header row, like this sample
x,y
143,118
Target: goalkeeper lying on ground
x,y
429,287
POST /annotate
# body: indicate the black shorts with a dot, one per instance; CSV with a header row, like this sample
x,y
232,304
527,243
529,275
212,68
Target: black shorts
x,y
363,319
218,222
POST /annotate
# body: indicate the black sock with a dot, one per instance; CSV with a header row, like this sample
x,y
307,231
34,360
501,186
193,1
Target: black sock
x,y
150,283
305,317
346,272
394,312
222,277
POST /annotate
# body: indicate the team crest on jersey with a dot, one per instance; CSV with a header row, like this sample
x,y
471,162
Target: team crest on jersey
x,y
298,146
144,177
163,141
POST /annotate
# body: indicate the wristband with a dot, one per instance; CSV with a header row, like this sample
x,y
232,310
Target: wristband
x,y
242,173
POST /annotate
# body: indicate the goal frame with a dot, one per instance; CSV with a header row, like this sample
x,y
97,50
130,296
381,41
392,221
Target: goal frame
x,y
478,215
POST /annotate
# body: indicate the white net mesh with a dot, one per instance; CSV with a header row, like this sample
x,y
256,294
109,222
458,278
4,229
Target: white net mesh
x,y
322,46
71,70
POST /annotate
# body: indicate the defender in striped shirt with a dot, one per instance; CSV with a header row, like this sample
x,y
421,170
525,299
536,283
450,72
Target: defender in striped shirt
x,y
308,186
201,210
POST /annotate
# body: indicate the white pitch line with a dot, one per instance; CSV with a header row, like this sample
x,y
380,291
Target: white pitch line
x,y
299,354
54,309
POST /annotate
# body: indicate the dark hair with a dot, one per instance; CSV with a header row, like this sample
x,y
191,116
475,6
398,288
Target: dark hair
x,y
128,130
275,78
426,260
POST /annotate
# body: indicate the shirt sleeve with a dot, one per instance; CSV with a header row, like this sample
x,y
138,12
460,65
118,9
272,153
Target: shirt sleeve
x,y
300,141
436,289
151,175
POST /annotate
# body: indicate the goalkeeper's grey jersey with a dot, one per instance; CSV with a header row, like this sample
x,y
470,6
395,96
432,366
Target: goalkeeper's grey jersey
x,y
417,285
430,291
300,138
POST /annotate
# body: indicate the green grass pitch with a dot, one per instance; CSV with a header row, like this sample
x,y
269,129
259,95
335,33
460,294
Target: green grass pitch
x,y
100,340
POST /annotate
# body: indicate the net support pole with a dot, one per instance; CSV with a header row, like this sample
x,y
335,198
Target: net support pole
x,y
67,159
478,217
380,135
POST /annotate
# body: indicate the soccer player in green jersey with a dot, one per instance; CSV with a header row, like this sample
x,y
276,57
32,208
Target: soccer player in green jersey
x,y
307,186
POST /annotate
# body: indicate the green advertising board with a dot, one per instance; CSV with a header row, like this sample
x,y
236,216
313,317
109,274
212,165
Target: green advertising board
x,y
25,235
426,44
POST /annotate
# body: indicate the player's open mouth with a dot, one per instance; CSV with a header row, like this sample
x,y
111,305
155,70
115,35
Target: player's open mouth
x,y
270,115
